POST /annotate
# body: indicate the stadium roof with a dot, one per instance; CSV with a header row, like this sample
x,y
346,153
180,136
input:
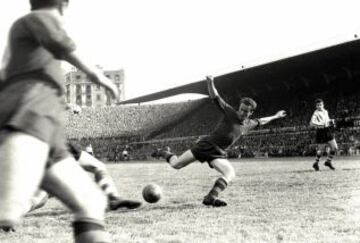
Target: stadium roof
x,y
332,66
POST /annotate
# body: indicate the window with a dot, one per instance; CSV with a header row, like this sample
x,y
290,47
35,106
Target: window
x,y
78,89
98,97
88,95
68,93
79,100
108,98
88,89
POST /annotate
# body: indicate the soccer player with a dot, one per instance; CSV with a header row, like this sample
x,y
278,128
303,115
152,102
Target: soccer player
x,y
211,148
324,134
33,149
102,178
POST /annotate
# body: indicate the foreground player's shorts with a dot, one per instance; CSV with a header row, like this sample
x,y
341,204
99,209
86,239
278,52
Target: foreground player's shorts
x,y
35,107
206,151
324,135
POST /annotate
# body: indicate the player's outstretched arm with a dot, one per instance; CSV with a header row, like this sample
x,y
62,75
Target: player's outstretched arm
x,y
278,115
214,94
91,71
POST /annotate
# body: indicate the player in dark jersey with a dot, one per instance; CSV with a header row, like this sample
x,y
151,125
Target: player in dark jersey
x,y
102,178
33,150
321,121
211,148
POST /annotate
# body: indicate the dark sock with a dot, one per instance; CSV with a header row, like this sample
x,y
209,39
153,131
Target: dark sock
x,y
330,156
90,231
317,159
219,186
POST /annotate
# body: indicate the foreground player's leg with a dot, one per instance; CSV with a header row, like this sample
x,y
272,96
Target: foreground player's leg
x,y
22,164
67,181
228,172
106,183
333,149
38,200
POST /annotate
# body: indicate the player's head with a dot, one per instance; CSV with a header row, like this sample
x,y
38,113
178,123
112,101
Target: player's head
x,y
246,108
42,4
319,103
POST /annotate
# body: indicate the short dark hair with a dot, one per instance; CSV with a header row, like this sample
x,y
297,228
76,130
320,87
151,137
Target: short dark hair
x,y
248,101
318,100
38,4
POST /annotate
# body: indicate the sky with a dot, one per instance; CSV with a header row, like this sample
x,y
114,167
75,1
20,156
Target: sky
x,y
162,44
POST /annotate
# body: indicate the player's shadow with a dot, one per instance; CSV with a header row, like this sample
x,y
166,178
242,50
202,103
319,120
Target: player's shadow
x,y
173,205
47,213
303,171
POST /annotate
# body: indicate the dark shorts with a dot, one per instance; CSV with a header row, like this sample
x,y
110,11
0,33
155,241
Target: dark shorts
x,y
324,135
206,151
36,108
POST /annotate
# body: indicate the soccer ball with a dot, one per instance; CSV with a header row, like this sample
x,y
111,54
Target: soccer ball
x,y
152,193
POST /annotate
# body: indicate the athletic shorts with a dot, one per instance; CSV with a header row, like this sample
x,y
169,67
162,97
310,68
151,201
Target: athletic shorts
x,y
206,151
324,135
35,107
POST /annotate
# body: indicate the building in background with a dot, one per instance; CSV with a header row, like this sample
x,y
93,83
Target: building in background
x,y
81,92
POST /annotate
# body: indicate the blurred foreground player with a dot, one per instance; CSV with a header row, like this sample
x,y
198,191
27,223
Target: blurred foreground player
x,y
324,134
212,148
33,149
102,178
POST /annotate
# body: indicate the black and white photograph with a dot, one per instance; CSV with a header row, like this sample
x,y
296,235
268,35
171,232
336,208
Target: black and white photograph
x,y
168,121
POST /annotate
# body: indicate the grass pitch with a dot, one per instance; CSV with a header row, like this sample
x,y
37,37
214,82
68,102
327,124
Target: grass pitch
x,y
271,200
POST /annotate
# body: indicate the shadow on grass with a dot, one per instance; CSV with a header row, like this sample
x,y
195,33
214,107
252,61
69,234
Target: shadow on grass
x,y
173,206
53,212
303,171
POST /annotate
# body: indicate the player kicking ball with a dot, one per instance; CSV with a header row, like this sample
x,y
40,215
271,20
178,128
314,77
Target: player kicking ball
x,y
102,178
324,134
211,148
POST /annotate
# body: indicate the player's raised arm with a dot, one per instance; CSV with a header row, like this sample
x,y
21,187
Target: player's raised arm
x,y
94,75
214,94
278,115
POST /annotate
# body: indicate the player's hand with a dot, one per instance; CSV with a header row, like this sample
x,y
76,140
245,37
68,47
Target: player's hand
x,y
280,114
111,87
107,83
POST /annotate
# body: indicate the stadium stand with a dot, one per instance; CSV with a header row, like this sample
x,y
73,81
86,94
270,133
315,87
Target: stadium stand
x,y
291,84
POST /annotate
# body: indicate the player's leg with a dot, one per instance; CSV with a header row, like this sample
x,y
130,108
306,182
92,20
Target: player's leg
x,y
228,174
319,151
67,181
22,164
333,148
174,161
183,160
38,200
105,181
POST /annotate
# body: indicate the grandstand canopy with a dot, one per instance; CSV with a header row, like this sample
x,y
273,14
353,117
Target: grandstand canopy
x,y
330,68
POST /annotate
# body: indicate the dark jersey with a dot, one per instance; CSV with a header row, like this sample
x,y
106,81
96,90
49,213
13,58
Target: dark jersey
x,y
230,128
36,43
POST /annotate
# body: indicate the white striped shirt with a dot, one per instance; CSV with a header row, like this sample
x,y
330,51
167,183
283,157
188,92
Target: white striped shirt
x,y
320,118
